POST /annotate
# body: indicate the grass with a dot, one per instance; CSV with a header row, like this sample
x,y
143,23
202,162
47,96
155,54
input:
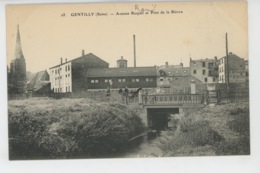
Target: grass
x,y
69,128
219,130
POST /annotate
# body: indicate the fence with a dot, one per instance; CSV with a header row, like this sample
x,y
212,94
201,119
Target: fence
x,y
233,95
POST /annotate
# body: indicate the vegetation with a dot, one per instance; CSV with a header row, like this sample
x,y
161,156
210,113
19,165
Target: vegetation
x,y
219,130
66,128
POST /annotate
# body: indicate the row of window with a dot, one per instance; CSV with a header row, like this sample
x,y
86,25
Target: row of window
x,y
203,72
59,90
59,70
59,79
121,80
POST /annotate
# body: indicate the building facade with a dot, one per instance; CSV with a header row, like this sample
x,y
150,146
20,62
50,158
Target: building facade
x,y
71,76
206,70
115,78
17,73
234,71
168,73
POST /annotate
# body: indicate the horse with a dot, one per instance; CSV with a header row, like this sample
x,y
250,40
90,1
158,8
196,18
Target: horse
x,y
133,94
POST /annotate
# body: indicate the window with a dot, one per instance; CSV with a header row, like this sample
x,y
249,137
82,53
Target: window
x,y
177,71
147,80
123,80
204,72
194,71
206,79
137,80
161,79
96,81
185,71
203,64
106,81
151,79
214,79
68,67
119,80
68,88
92,81
133,80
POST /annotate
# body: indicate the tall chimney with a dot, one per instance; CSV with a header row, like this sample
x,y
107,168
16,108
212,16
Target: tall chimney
x,y
66,60
166,64
83,52
134,51
61,60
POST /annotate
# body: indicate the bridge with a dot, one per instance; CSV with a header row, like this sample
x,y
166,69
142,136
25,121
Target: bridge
x,y
158,109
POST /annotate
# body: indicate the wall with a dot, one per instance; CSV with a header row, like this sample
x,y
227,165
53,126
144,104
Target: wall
x,y
102,84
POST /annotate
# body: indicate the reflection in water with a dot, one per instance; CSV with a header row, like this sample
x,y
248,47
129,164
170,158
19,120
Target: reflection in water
x,y
148,146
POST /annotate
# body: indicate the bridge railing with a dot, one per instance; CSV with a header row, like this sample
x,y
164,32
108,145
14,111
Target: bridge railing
x,y
173,99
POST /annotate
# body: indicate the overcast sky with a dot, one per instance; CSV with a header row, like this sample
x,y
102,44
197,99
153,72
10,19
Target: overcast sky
x,y
198,32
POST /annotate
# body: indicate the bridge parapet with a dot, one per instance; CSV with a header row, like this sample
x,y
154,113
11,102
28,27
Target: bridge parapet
x,y
172,99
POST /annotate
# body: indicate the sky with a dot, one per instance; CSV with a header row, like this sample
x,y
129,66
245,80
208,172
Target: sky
x,y
198,32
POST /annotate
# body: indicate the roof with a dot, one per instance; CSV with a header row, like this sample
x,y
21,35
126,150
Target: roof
x,y
183,71
87,57
121,72
39,80
232,55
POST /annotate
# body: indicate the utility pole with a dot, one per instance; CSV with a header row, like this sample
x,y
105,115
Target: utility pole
x,y
134,51
227,68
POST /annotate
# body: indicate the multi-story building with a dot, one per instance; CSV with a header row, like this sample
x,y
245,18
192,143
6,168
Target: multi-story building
x,y
71,76
206,70
168,73
236,69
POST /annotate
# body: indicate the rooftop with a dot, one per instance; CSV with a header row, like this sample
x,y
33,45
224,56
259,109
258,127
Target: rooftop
x,y
122,72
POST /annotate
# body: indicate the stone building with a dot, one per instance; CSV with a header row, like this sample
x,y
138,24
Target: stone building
x,y
237,69
206,70
17,71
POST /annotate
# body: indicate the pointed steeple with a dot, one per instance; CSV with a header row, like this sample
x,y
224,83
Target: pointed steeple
x,y
18,47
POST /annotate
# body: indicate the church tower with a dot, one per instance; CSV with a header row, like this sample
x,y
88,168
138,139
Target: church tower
x,y
17,80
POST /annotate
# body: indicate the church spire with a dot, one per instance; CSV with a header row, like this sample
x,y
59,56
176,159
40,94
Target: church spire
x,y
18,47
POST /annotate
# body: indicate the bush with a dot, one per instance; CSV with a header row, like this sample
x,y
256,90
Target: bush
x,y
94,131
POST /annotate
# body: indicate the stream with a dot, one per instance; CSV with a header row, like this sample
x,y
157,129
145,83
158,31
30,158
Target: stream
x,y
147,148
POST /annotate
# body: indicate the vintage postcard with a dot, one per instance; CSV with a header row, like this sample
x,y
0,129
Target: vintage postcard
x,y
127,80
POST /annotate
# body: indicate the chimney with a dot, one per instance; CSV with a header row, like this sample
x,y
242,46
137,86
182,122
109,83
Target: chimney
x,y
61,60
230,53
166,64
83,52
134,51
216,58
66,60
181,64
121,57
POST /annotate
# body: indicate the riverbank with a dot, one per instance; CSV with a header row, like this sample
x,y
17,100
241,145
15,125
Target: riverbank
x,y
70,128
211,131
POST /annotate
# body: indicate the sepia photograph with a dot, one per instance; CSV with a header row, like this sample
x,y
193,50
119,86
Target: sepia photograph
x,y
127,80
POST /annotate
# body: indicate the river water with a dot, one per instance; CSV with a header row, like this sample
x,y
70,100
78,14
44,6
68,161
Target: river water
x,y
148,147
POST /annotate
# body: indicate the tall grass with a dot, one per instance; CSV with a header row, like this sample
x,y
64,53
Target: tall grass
x,y
223,130
80,128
